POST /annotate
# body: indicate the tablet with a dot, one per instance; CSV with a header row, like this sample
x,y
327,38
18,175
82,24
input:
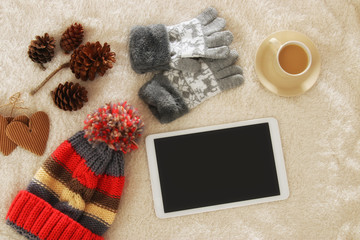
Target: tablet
x,y
216,167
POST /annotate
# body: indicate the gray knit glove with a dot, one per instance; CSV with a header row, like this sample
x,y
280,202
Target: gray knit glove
x,y
173,93
160,47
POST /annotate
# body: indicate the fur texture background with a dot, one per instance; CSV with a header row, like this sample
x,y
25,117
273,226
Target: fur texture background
x,y
320,129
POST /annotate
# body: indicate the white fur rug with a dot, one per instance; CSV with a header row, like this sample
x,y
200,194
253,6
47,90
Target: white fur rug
x,y
320,129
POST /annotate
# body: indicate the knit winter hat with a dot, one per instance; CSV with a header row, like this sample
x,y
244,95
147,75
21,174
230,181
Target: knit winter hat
x,y
76,192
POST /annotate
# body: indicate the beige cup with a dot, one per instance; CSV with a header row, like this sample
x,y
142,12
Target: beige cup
x,y
291,59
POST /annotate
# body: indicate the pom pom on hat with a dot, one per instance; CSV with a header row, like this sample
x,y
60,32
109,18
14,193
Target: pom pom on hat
x,y
118,125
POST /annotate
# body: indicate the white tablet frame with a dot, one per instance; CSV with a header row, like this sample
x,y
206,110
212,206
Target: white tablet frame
x,y
279,164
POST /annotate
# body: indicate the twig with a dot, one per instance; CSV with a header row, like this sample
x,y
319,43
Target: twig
x,y
65,65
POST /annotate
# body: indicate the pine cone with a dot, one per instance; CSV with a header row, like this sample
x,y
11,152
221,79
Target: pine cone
x,y
91,58
41,50
69,96
72,37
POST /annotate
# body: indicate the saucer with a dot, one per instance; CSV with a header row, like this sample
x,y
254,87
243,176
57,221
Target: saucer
x,y
285,85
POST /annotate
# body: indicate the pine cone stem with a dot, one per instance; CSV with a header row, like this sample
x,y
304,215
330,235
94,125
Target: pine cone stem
x,y
42,66
65,65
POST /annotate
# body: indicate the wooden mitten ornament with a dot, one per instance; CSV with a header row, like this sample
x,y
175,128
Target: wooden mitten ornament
x,y
6,145
32,136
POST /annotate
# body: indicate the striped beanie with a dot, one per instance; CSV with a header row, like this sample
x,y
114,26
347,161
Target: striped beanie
x,y
76,192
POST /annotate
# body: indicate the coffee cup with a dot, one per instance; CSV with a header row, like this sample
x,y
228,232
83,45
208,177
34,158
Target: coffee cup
x,y
291,58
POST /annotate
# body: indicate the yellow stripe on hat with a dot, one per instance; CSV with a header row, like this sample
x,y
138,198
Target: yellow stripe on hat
x,y
49,182
65,194
102,213
73,199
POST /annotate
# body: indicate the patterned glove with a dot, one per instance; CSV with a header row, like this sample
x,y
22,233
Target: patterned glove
x,y
173,93
157,47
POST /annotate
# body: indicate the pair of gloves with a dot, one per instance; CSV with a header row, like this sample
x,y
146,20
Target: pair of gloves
x,y
194,60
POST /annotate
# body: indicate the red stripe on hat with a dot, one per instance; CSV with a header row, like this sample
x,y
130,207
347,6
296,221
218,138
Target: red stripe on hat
x,y
38,217
50,224
69,232
16,207
108,182
25,213
58,230
66,156
40,221
37,210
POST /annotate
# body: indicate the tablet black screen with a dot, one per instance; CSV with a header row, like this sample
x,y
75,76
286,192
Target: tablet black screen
x,y
216,167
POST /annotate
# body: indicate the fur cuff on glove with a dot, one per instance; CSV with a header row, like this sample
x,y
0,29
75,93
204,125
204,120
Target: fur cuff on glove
x,y
149,48
163,100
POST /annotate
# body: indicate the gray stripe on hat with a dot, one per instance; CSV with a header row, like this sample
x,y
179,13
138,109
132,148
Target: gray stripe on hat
x,y
93,225
37,189
116,166
22,231
100,158
65,208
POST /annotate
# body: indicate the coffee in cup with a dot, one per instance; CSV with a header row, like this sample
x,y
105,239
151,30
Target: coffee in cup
x,y
293,58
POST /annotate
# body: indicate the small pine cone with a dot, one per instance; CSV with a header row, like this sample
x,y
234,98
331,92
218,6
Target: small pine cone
x,y
72,37
69,96
91,58
42,49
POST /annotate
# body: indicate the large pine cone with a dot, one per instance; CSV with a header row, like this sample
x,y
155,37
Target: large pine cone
x,y
42,49
70,96
91,58
72,37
